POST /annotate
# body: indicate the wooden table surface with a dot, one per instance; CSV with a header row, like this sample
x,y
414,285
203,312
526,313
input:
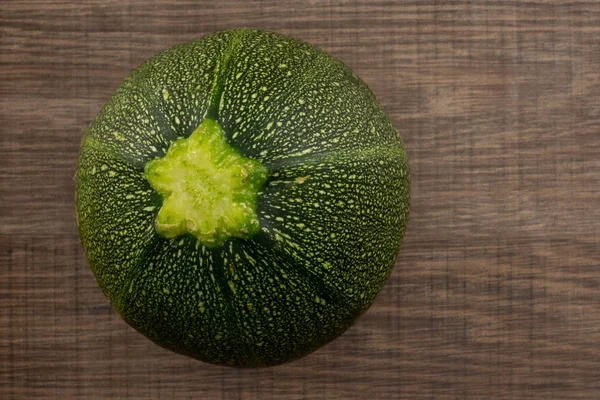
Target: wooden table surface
x,y
496,292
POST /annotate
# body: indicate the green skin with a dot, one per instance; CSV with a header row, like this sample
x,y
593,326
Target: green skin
x,y
242,198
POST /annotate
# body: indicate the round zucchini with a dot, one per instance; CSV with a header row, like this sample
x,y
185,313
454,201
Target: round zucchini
x,y
242,198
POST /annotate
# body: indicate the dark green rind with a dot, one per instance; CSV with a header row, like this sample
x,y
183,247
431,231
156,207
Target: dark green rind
x,y
332,214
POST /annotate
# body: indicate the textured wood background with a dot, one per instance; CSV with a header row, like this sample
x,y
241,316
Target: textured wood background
x,y
496,293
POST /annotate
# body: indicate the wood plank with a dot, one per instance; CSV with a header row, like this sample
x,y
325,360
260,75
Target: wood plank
x,y
496,293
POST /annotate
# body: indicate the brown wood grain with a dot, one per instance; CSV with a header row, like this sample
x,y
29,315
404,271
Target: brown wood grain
x,y
496,293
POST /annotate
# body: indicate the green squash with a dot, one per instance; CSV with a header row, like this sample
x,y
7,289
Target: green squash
x,y
242,198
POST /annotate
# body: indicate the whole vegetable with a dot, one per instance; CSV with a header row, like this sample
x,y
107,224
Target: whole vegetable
x,y
241,199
